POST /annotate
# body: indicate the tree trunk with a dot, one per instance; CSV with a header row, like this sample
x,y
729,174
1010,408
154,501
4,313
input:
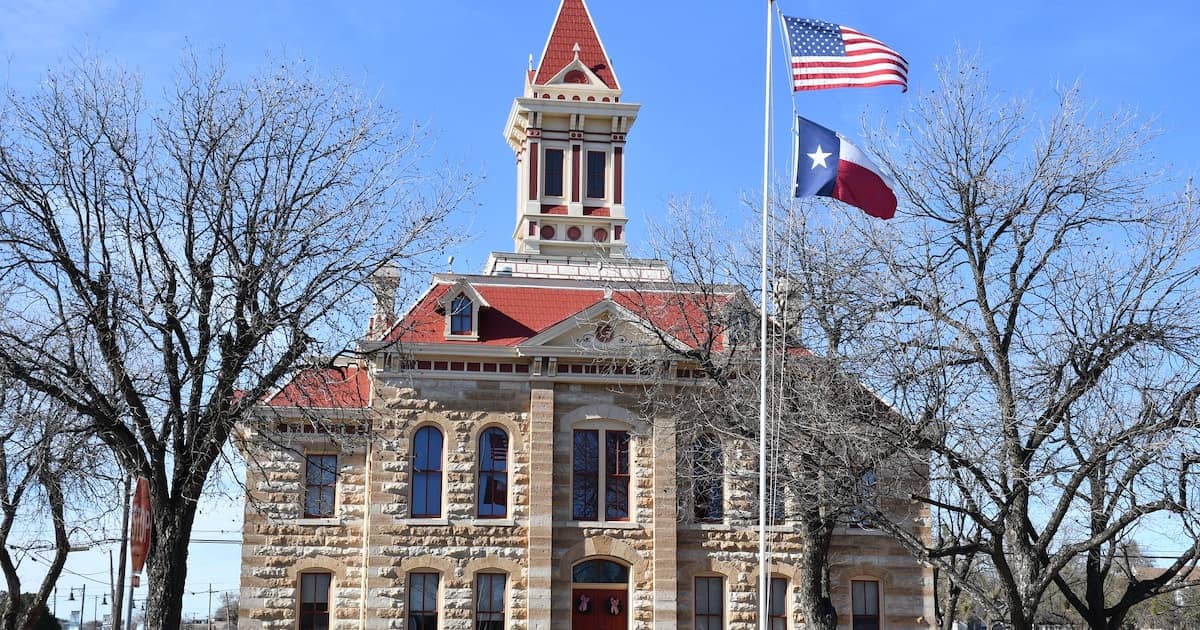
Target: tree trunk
x,y
816,603
167,571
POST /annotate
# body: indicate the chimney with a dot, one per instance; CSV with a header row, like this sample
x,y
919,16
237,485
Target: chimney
x,y
384,284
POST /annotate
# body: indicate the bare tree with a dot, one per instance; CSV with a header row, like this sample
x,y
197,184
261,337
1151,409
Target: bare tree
x,y
825,462
169,262
1044,341
45,464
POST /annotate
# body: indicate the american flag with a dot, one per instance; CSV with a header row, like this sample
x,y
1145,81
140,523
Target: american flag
x,y
827,55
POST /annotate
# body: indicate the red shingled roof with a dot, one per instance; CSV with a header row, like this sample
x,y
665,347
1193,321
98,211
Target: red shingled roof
x,y
518,313
573,25
339,387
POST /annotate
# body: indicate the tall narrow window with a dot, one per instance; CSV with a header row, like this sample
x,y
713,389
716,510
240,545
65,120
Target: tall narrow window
x,y
595,174
710,603
314,601
777,605
554,173
460,316
422,601
864,596
616,478
493,473
585,488
489,601
776,495
320,483
708,479
868,500
589,487
427,473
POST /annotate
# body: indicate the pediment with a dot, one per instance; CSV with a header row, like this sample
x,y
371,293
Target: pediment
x,y
603,328
461,287
577,73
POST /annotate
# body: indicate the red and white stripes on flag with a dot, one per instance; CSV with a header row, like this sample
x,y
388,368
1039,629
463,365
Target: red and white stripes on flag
x,y
827,55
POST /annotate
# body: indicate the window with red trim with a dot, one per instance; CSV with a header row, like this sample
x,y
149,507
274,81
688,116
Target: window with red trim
x,y
427,473
314,601
710,603
864,601
320,485
493,473
588,485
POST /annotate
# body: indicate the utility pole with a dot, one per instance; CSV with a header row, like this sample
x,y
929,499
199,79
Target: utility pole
x,y
118,589
210,592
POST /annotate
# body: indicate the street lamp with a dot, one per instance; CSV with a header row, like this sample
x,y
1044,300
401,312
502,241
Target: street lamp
x,y
96,601
82,599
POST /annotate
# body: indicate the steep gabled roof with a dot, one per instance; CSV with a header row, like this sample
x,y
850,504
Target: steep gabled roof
x,y
337,387
573,25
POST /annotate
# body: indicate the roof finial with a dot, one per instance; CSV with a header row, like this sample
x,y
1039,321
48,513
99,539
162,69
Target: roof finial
x,y
575,50
531,62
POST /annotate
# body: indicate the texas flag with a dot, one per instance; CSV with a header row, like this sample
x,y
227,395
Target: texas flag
x,y
829,166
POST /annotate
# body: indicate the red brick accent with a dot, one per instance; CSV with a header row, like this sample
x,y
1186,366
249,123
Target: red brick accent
x,y
618,174
533,171
576,183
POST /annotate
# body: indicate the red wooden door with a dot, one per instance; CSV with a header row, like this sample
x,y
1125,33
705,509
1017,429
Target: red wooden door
x,y
599,609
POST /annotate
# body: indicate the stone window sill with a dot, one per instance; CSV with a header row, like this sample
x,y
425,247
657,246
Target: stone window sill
x,y
424,522
314,522
606,524
493,522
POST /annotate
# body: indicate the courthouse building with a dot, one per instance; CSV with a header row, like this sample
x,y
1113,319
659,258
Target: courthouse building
x,y
489,464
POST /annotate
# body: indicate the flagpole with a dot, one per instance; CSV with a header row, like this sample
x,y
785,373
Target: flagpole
x,y
763,578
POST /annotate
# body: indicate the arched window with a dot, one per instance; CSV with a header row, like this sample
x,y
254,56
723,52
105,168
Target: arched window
x,y
427,473
492,489
600,475
600,572
708,479
460,316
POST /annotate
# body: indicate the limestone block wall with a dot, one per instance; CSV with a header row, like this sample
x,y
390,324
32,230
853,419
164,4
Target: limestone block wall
x,y
538,543
278,545
458,545
633,542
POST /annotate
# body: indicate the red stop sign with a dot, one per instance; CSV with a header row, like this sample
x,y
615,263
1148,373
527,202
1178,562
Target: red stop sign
x,y
139,524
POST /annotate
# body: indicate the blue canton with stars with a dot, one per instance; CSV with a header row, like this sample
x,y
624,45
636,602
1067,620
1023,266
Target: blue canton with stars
x,y
814,38
816,159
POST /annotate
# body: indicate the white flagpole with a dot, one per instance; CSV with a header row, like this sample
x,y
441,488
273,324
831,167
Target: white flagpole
x,y
763,577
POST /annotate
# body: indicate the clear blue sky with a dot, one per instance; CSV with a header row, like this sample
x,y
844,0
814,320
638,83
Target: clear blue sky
x,y
696,68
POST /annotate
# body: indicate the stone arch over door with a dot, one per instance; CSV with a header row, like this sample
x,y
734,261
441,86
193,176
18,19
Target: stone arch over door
x,y
602,547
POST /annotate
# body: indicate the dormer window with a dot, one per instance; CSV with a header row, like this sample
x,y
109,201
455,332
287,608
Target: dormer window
x,y
460,306
461,319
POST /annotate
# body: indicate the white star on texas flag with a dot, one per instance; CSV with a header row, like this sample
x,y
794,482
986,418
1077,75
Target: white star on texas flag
x,y
819,158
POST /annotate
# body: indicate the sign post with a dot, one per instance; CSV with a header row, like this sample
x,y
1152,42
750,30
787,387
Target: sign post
x,y
139,538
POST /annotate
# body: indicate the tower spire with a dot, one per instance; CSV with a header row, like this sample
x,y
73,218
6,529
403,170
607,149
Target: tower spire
x,y
568,131
574,37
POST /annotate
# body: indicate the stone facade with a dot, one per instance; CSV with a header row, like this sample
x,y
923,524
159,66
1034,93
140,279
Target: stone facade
x,y
544,344
539,543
